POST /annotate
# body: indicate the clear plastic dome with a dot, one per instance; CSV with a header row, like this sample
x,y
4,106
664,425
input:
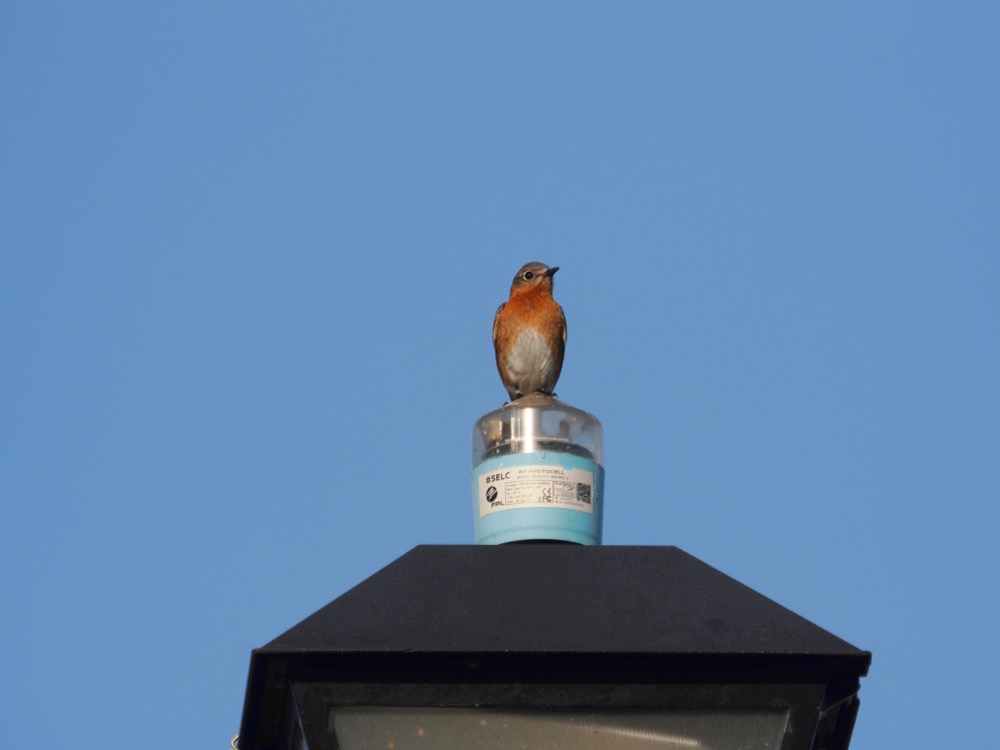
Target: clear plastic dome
x,y
535,424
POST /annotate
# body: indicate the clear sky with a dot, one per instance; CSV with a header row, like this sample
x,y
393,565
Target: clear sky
x,y
250,257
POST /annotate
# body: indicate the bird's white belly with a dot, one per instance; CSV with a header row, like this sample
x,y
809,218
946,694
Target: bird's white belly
x,y
529,361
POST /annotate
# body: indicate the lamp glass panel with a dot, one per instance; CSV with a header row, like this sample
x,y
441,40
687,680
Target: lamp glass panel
x,y
395,728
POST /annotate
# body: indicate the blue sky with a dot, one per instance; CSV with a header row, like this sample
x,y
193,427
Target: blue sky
x,y
251,255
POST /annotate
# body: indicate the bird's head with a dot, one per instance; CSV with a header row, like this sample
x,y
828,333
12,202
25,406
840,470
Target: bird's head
x,y
533,276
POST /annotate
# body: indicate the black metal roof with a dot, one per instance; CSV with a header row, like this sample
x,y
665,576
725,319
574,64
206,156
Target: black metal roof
x,y
557,598
519,614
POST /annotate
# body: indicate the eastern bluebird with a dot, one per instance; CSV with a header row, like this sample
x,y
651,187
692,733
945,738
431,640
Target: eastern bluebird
x,y
529,334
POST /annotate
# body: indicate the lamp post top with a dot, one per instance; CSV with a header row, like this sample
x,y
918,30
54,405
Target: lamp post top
x,y
558,599
553,625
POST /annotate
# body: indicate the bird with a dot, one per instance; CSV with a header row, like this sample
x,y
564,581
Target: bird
x,y
529,334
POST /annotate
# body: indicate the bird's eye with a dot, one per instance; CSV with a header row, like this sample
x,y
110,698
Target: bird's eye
x,y
528,275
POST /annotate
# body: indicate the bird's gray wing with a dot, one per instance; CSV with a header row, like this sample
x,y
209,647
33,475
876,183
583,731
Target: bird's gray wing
x,y
495,319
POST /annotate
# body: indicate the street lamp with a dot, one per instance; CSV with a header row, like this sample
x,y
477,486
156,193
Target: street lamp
x,y
552,646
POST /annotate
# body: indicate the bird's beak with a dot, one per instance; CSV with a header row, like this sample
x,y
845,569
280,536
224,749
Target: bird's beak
x,y
552,271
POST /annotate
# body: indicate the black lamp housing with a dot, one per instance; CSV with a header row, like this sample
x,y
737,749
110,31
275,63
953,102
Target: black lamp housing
x,y
613,636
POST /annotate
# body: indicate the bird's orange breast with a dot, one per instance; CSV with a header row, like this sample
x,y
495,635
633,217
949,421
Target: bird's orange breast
x,y
537,311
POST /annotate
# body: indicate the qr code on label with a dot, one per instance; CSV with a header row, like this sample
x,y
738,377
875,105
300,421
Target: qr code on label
x,y
583,493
